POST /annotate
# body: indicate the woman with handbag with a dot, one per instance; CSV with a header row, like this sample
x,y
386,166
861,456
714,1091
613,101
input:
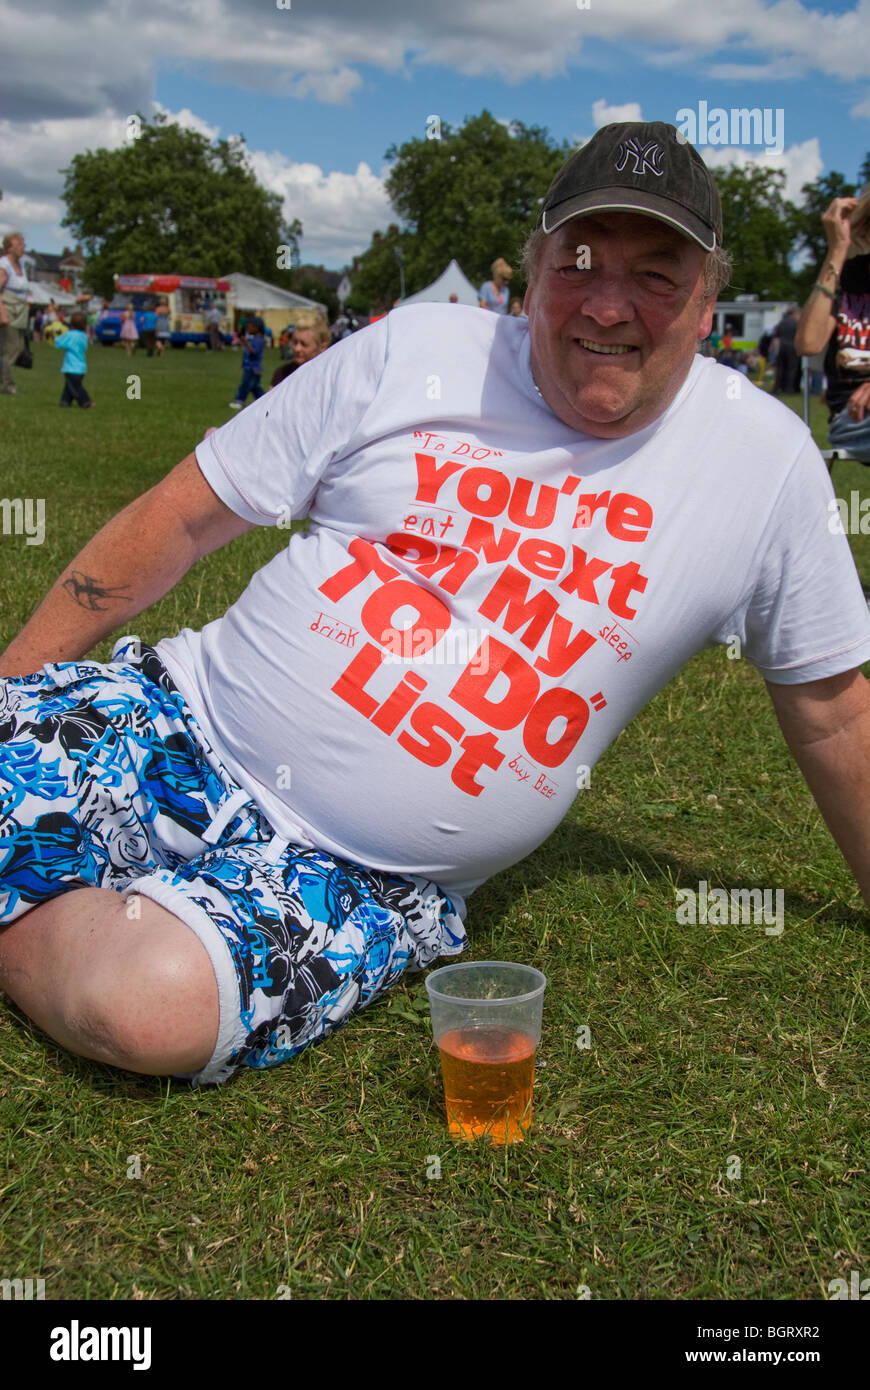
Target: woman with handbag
x,y
14,290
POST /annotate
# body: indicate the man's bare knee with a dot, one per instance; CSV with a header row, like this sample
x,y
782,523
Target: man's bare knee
x,y
161,1016
131,987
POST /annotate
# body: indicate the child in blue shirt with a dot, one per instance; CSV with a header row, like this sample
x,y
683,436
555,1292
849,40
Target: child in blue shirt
x,y
252,364
75,345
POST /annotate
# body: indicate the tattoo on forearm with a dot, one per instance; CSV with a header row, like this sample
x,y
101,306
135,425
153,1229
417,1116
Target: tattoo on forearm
x,y
87,593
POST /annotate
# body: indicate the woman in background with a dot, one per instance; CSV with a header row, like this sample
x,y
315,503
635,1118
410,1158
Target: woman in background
x,y
836,317
14,312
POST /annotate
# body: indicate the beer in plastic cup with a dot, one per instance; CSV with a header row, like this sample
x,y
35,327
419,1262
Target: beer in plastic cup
x,y
486,1018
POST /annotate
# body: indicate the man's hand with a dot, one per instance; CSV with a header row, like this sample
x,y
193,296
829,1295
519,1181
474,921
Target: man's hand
x,y
816,322
835,221
826,725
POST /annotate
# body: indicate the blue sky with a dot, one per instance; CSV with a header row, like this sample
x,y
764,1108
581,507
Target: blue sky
x,y
322,89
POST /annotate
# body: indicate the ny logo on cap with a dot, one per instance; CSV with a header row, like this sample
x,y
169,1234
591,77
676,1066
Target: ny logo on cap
x,y
646,157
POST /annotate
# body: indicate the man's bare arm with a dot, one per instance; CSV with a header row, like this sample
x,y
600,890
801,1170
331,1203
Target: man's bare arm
x,y
817,322
133,561
826,725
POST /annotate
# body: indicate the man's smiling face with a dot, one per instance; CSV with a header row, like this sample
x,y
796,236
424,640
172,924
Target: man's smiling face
x,y
612,345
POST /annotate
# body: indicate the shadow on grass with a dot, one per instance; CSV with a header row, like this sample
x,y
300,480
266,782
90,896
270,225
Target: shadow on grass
x,y
102,1078
573,851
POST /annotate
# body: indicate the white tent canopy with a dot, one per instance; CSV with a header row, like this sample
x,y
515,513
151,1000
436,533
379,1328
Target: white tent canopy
x,y
451,281
248,293
41,293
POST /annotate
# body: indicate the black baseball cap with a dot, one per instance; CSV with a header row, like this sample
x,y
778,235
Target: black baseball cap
x,y
638,166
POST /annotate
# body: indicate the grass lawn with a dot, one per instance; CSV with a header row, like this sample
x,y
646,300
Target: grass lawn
x,y
712,1141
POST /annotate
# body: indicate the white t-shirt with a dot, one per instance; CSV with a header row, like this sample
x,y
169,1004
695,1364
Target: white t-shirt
x,y
15,282
555,581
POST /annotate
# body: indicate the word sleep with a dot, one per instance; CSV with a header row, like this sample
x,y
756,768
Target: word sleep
x,y
613,637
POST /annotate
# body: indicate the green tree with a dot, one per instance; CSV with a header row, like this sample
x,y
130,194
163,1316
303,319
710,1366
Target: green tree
x,y
311,282
760,227
472,195
375,278
864,171
172,201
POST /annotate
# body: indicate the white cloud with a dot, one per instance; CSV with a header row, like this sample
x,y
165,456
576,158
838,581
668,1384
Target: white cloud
x,y
32,156
338,211
18,212
862,108
787,34
602,114
188,121
753,72
334,88
108,55
800,163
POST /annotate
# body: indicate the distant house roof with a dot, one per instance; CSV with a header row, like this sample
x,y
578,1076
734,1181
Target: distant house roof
x,y
330,278
42,260
53,263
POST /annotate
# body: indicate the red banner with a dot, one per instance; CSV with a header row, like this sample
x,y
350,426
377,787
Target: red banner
x,y
165,284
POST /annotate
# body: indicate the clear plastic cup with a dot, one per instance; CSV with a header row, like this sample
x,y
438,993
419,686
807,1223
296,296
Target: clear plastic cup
x,y
486,1018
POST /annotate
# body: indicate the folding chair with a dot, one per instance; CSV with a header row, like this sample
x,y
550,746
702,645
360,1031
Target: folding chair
x,y
831,456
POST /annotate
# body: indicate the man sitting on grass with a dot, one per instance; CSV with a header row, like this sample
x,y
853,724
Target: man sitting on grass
x,y
520,528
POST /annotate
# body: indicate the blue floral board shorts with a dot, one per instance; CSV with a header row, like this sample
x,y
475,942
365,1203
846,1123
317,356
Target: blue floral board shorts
x,y
107,781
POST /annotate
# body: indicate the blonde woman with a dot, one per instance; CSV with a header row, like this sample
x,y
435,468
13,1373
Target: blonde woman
x,y
495,293
310,337
14,291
